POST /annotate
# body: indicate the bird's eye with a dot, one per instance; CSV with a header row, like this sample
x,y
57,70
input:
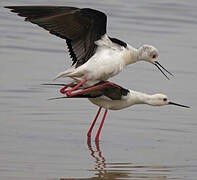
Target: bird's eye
x,y
164,99
154,56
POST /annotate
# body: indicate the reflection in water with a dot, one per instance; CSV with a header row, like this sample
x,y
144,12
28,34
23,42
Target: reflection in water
x,y
99,159
112,171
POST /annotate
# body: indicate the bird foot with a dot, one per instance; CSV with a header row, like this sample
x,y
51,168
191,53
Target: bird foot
x,y
62,90
68,93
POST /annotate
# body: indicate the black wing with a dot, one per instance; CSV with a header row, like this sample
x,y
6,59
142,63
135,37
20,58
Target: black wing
x,y
112,91
79,27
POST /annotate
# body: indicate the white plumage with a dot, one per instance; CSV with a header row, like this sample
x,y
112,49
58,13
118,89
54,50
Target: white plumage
x,y
109,60
132,98
96,56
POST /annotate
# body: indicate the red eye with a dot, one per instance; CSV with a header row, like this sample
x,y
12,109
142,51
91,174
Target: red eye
x,y
154,56
164,99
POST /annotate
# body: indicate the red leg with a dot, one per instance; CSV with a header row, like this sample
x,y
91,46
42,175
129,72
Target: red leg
x,y
68,93
93,123
101,125
62,90
100,154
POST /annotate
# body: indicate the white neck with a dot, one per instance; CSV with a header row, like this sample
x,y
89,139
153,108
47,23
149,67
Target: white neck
x,y
139,98
131,56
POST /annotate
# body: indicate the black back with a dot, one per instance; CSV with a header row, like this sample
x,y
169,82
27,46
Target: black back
x,y
112,91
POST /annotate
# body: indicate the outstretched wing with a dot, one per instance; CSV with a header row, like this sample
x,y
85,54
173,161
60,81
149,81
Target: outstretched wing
x,y
79,27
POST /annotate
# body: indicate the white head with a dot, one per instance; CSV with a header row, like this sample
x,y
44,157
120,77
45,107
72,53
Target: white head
x,y
160,100
150,54
157,100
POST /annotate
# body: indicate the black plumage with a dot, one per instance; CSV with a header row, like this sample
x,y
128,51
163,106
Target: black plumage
x,y
79,27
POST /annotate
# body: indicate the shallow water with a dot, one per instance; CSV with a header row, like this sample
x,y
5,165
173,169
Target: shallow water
x,y
41,139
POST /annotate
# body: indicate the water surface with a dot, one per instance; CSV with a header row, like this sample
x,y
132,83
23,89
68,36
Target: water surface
x,y
41,139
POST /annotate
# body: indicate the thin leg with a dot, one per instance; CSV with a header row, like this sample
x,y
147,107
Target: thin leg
x,y
62,90
90,148
94,87
68,92
101,125
93,123
100,155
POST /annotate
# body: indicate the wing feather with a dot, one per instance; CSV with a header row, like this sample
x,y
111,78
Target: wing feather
x,y
79,27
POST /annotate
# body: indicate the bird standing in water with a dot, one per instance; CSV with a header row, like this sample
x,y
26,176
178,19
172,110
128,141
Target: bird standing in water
x,y
111,96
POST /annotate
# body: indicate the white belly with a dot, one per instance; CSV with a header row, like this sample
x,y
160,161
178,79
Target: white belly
x,y
111,104
105,64
108,60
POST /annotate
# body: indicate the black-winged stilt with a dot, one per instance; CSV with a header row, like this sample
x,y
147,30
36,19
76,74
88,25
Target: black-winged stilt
x,y
111,96
96,56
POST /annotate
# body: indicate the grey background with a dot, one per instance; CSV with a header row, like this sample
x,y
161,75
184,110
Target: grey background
x,y
41,139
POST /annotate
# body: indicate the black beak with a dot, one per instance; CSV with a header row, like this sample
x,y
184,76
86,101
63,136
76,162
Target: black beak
x,y
160,67
172,103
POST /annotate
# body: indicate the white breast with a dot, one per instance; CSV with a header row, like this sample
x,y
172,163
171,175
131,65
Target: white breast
x,y
107,103
108,60
105,64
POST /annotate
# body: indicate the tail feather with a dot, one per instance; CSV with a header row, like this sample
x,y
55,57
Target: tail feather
x,y
62,75
66,73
